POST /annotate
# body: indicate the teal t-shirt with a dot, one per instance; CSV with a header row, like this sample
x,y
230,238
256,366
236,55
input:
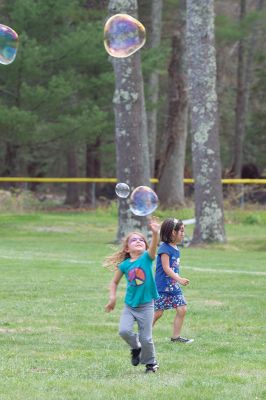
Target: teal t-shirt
x,y
141,287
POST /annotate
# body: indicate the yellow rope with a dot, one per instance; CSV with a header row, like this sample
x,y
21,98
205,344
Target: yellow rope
x,y
114,180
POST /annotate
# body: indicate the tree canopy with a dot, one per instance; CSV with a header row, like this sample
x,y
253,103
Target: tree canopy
x,y
56,97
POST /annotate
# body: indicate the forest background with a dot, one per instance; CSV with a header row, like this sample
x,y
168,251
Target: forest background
x,y
56,104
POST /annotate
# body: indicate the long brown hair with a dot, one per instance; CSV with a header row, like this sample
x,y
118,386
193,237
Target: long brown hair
x,y
115,259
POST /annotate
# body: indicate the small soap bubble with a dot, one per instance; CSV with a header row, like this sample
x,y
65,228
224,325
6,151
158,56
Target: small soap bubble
x,y
123,35
143,201
8,44
122,190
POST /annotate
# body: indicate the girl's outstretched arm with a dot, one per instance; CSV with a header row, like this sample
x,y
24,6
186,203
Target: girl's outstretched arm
x,y
155,228
113,286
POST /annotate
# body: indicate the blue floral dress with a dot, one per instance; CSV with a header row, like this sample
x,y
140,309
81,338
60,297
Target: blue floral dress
x,y
171,295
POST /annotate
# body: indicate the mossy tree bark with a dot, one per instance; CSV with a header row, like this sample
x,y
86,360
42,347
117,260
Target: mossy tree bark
x,y
209,225
132,155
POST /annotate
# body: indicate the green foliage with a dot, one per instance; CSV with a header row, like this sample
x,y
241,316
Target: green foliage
x,y
156,59
59,89
16,123
248,216
255,141
226,29
229,30
252,220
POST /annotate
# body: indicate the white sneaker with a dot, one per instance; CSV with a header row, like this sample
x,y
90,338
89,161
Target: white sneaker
x,y
181,339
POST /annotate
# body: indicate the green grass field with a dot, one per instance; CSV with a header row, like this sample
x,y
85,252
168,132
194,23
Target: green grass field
x,y
57,342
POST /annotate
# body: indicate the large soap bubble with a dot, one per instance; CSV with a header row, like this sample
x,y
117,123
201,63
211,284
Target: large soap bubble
x,y
143,201
122,190
123,35
8,44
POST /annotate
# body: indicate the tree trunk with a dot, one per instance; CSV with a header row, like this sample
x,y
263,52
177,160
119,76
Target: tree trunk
x,y
72,192
240,101
153,82
11,163
209,225
172,160
246,50
92,171
132,158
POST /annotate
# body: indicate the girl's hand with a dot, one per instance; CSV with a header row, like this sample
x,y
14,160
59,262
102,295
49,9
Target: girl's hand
x,y
154,224
110,305
183,281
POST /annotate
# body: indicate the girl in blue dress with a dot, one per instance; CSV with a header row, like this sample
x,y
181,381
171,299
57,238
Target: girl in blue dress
x,y
167,277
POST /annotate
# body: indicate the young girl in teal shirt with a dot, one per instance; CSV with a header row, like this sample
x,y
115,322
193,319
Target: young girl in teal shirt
x,y
134,261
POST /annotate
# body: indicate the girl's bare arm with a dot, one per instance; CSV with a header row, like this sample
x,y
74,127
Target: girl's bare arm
x,y
170,272
155,228
112,294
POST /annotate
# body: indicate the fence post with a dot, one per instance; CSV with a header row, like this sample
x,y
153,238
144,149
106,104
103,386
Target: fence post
x,y
242,195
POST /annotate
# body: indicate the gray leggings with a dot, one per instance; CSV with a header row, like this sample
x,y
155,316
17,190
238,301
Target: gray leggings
x,y
143,315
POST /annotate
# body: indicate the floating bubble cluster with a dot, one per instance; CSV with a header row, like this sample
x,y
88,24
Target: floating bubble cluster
x,y
143,201
8,44
122,190
123,35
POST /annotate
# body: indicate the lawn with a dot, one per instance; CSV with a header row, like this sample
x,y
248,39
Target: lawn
x,y
57,342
